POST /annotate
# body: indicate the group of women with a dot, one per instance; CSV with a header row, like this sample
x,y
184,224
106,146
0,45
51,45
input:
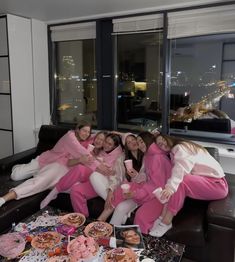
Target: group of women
x,y
181,168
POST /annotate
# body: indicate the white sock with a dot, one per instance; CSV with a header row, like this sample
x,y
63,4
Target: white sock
x,y
156,222
2,201
52,195
160,229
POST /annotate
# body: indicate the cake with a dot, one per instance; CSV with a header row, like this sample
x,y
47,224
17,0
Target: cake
x,y
73,219
118,254
82,248
98,229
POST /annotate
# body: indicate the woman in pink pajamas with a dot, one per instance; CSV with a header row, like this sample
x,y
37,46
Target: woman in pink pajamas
x,y
158,169
195,174
80,172
51,165
134,177
80,193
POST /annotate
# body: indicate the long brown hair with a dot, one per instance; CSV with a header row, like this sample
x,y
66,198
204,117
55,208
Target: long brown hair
x,y
137,162
147,137
173,141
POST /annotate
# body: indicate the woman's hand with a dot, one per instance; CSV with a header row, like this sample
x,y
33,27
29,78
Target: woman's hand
x,y
105,170
166,194
86,160
132,172
108,201
129,195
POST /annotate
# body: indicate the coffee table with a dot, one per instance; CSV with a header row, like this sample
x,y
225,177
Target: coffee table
x,y
158,249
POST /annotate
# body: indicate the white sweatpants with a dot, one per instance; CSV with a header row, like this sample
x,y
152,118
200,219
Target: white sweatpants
x,y
122,211
24,171
45,178
100,183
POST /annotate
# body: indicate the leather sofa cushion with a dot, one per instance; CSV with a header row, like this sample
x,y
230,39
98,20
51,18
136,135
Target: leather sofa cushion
x,y
15,211
49,136
221,212
189,224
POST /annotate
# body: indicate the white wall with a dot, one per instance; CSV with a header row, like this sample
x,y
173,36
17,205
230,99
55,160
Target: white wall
x,y
21,75
40,73
28,51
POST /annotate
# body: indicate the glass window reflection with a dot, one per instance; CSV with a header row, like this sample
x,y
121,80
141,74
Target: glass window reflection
x,y
202,79
76,81
139,84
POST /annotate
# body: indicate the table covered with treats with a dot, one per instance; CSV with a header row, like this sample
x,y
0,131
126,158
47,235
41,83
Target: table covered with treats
x,y
51,235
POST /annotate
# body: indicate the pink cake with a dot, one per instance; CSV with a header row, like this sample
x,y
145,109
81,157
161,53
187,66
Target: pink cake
x,y
82,248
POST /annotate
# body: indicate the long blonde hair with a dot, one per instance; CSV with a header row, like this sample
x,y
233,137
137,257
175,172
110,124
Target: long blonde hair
x,y
189,145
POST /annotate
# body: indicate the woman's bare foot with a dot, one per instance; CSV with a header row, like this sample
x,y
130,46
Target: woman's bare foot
x,y
105,214
9,196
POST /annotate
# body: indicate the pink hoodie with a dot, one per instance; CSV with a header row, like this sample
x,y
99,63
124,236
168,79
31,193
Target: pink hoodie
x,y
158,170
66,148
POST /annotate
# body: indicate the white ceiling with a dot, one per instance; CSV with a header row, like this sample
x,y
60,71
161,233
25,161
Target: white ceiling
x,y
53,11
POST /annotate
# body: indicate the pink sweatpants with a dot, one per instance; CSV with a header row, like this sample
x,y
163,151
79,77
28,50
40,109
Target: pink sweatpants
x,y
77,174
197,187
79,195
147,214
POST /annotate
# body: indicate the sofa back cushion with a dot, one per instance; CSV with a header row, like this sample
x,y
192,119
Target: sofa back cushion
x,y
214,152
48,137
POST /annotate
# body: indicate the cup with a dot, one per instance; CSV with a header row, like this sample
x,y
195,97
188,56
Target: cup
x,y
128,164
157,192
125,188
90,148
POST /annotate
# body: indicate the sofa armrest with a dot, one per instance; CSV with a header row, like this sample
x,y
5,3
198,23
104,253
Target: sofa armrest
x,y
19,158
222,212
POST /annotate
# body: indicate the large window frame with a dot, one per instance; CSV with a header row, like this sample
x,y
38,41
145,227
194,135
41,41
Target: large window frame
x,y
190,23
107,107
83,83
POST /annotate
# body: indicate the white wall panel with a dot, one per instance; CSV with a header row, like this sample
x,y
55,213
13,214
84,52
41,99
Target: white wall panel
x,y
21,70
41,74
3,38
5,143
4,75
5,112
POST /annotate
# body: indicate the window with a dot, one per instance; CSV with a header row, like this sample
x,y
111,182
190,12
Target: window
x,y
199,100
139,72
76,81
75,73
202,71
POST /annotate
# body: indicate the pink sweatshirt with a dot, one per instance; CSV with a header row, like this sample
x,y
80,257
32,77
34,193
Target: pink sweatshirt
x,y
107,158
66,148
158,169
184,162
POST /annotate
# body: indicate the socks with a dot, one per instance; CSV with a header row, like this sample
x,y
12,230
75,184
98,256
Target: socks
x,y
2,201
52,195
156,222
160,230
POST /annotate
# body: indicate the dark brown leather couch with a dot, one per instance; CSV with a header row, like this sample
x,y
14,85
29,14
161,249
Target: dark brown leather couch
x,y
206,228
